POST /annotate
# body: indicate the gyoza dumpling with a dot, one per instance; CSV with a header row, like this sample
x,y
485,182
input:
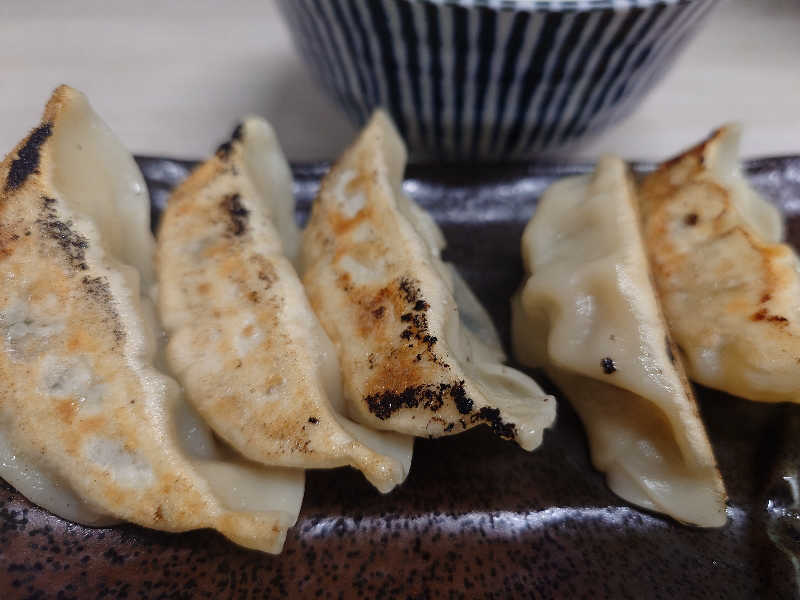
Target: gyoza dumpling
x,y
588,314
730,290
376,281
244,342
89,429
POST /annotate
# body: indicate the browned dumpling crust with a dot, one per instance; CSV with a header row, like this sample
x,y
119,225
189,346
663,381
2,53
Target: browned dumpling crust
x,y
588,314
88,427
730,289
244,341
375,278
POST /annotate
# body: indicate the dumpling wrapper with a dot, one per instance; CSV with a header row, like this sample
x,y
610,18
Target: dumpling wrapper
x,y
89,429
373,273
588,315
730,290
244,341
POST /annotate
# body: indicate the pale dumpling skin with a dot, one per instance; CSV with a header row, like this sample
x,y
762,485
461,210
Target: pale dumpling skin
x,y
587,313
243,339
373,273
730,290
88,427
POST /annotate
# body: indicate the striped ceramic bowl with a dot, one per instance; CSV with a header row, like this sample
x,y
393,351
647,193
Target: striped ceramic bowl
x,y
491,79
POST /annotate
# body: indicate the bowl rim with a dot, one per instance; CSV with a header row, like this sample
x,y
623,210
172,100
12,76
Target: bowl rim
x,y
557,5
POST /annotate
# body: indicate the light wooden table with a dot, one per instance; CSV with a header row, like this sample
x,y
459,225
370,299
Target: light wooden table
x,y
172,77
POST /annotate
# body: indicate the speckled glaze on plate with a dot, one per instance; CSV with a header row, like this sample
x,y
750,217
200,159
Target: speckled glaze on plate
x,y
478,517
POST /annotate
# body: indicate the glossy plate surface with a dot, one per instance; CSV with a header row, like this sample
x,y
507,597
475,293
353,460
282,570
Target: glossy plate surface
x,y
478,517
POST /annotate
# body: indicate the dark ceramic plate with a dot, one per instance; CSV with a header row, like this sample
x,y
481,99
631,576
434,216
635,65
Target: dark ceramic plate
x,y
478,517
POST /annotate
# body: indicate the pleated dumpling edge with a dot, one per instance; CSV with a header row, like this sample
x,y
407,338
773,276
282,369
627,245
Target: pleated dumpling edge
x,y
588,314
89,428
373,272
729,287
243,339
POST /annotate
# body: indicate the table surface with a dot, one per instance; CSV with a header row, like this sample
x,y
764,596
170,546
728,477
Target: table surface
x,y
171,78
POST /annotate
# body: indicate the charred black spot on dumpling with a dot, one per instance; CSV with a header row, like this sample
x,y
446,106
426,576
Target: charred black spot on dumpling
x,y
463,402
378,312
491,416
71,243
449,427
608,365
27,161
224,149
407,334
428,396
412,294
74,247
384,404
691,219
313,420
238,214
420,321
100,290
433,399
410,290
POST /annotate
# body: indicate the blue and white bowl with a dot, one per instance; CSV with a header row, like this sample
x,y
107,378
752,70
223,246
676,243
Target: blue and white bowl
x,y
491,79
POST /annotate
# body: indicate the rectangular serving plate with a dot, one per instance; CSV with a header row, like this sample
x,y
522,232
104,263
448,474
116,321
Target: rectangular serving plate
x,y
477,517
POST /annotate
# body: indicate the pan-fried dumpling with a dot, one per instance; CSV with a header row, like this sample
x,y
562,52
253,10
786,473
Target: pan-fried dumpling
x,y
244,342
89,429
373,273
730,290
588,314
